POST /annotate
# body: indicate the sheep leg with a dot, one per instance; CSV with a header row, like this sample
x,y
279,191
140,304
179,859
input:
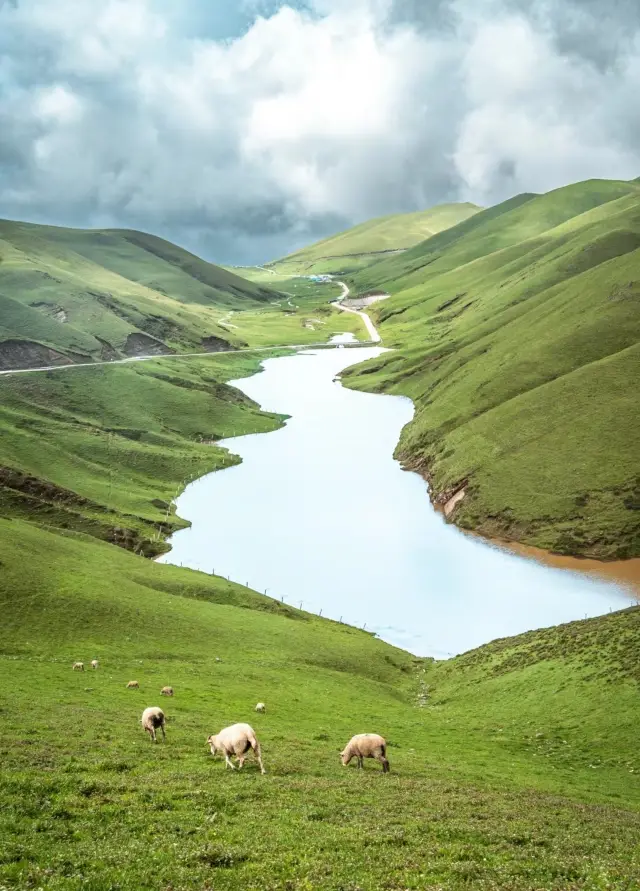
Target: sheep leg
x,y
227,762
164,735
360,762
152,734
381,757
240,761
258,753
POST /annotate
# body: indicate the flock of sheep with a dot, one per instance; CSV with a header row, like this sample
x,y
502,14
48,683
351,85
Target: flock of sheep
x,y
236,741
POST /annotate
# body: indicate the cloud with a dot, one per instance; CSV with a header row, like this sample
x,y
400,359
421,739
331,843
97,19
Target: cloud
x,y
244,136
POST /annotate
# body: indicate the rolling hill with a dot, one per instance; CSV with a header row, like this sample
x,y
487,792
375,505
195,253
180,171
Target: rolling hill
x,y
69,295
367,242
518,338
507,770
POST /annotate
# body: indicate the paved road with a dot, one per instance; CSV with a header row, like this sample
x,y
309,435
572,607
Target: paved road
x,y
373,334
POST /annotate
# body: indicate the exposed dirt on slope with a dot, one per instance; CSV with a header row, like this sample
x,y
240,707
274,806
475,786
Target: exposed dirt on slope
x,y
41,501
139,344
29,354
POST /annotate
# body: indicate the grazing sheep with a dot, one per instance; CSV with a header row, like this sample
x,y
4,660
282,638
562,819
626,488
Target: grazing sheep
x,y
166,691
152,719
236,741
366,745
94,663
261,707
133,685
78,666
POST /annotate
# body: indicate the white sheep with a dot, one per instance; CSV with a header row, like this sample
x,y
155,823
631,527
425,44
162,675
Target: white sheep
x,y
133,685
94,663
366,745
235,741
78,666
152,719
261,707
166,691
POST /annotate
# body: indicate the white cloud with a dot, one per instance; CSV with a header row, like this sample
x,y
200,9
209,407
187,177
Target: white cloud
x,y
109,114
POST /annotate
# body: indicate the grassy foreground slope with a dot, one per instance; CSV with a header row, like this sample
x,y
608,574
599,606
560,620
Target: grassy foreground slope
x,y
363,244
518,336
508,770
73,294
105,450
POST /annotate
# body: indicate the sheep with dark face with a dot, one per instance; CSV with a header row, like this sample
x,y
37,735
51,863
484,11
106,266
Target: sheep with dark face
x,y
94,663
133,685
366,745
261,707
153,719
78,666
235,741
166,691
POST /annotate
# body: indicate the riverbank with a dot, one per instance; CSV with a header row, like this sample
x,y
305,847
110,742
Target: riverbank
x,y
518,731
328,476
517,336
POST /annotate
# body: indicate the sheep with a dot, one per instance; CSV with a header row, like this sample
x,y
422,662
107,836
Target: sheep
x,y
133,685
261,707
166,691
236,741
94,663
78,666
152,718
366,745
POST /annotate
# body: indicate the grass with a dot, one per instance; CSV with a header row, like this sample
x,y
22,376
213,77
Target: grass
x,y
106,450
514,766
507,771
359,246
517,336
69,295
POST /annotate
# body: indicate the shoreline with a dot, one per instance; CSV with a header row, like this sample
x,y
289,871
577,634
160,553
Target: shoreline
x,y
625,573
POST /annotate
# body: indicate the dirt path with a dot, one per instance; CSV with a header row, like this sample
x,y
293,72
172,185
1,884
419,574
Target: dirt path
x,y
371,328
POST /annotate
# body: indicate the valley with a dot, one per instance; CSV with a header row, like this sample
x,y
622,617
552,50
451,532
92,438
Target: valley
x,y
514,764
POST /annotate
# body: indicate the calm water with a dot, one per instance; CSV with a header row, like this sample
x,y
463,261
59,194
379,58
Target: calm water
x,y
320,513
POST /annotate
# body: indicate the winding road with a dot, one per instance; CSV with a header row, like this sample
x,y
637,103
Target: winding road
x,y
371,329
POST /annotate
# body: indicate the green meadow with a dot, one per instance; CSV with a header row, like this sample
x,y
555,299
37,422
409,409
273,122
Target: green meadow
x,y
77,295
516,334
513,767
357,247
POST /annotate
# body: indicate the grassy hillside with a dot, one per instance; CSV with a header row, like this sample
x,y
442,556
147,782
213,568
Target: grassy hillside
x,y
507,769
518,336
91,294
72,295
359,246
105,450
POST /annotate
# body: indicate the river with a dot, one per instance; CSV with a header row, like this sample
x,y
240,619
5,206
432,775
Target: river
x,y
321,515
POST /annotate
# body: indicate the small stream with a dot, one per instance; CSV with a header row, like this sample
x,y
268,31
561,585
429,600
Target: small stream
x,y
321,515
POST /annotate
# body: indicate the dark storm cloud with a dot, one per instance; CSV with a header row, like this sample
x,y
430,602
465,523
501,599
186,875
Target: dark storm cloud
x,y
243,133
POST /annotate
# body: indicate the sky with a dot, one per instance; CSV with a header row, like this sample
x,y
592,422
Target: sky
x,y
243,130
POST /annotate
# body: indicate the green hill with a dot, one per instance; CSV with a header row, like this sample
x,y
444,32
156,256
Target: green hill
x,y
507,767
79,295
365,243
518,340
105,450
